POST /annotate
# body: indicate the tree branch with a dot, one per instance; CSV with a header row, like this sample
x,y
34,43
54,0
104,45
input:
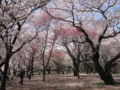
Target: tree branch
x,y
109,63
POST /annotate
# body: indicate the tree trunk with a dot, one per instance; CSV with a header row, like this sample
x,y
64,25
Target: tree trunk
x,y
28,69
109,79
8,71
44,73
76,71
76,67
32,66
87,70
49,70
14,72
69,69
3,84
104,75
58,70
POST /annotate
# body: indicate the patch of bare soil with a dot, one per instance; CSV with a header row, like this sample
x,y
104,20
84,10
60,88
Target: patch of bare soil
x,y
63,82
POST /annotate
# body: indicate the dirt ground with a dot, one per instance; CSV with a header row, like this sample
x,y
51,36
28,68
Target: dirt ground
x,y
63,82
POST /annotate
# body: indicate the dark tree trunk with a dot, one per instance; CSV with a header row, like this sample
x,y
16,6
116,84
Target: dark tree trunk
x,y
87,70
49,70
76,71
14,72
58,69
8,71
28,69
32,66
109,78
106,76
84,68
75,68
69,69
44,73
3,84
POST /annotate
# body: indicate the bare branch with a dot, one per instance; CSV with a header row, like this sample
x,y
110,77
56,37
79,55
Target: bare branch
x,y
25,43
109,63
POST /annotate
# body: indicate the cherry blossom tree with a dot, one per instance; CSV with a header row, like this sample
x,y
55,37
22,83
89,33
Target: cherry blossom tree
x,y
18,61
32,52
45,40
58,58
72,42
101,16
13,16
45,49
27,55
108,51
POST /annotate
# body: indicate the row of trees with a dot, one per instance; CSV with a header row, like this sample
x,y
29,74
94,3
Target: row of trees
x,y
82,14
14,15
77,28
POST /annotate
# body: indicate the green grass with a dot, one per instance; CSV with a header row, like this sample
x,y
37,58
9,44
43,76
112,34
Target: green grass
x,y
49,84
11,74
99,83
